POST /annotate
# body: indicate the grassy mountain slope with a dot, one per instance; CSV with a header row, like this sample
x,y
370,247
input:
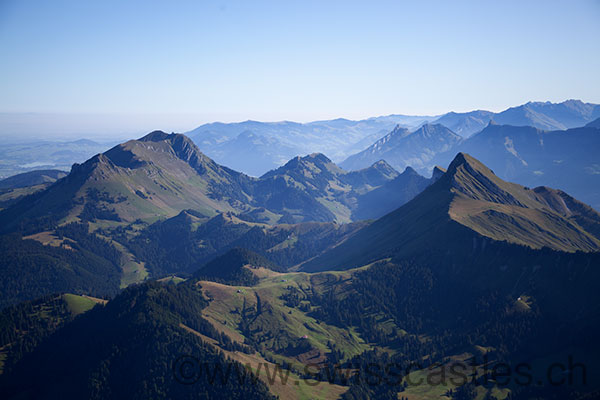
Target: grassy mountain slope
x,y
470,202
160,175
9,197
129,348
408,314
274,315
156,176
506,211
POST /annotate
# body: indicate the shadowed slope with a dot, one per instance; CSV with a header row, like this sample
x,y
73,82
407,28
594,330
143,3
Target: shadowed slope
x,y
472,203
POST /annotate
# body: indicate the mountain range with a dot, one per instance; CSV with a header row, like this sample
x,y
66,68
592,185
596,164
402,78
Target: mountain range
x,y
162,174
468,208
153,271
237,144
534,157
143,193
543,115
254,147
525,154
405,148
257,147
488,271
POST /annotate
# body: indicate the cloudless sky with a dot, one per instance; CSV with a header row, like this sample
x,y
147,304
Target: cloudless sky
x,y
129,66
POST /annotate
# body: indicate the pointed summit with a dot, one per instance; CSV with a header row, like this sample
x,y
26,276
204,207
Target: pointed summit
x,y
437,173
383,167
410,171
472,179
465,161
471,203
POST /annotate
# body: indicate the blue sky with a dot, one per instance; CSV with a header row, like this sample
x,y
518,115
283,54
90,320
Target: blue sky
x,y
125,66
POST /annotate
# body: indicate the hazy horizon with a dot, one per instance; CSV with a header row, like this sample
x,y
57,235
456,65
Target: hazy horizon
x,y
112,69
114,127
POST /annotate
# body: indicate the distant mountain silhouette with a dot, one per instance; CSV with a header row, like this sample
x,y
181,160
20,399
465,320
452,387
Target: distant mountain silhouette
x,y
515,143
465,124
402,148
391,195
533,157
542,115
550,116
255,147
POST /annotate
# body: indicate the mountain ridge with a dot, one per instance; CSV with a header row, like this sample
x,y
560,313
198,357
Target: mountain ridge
x,y
277,142
470,201
535,157
402,148
162,174
32,178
